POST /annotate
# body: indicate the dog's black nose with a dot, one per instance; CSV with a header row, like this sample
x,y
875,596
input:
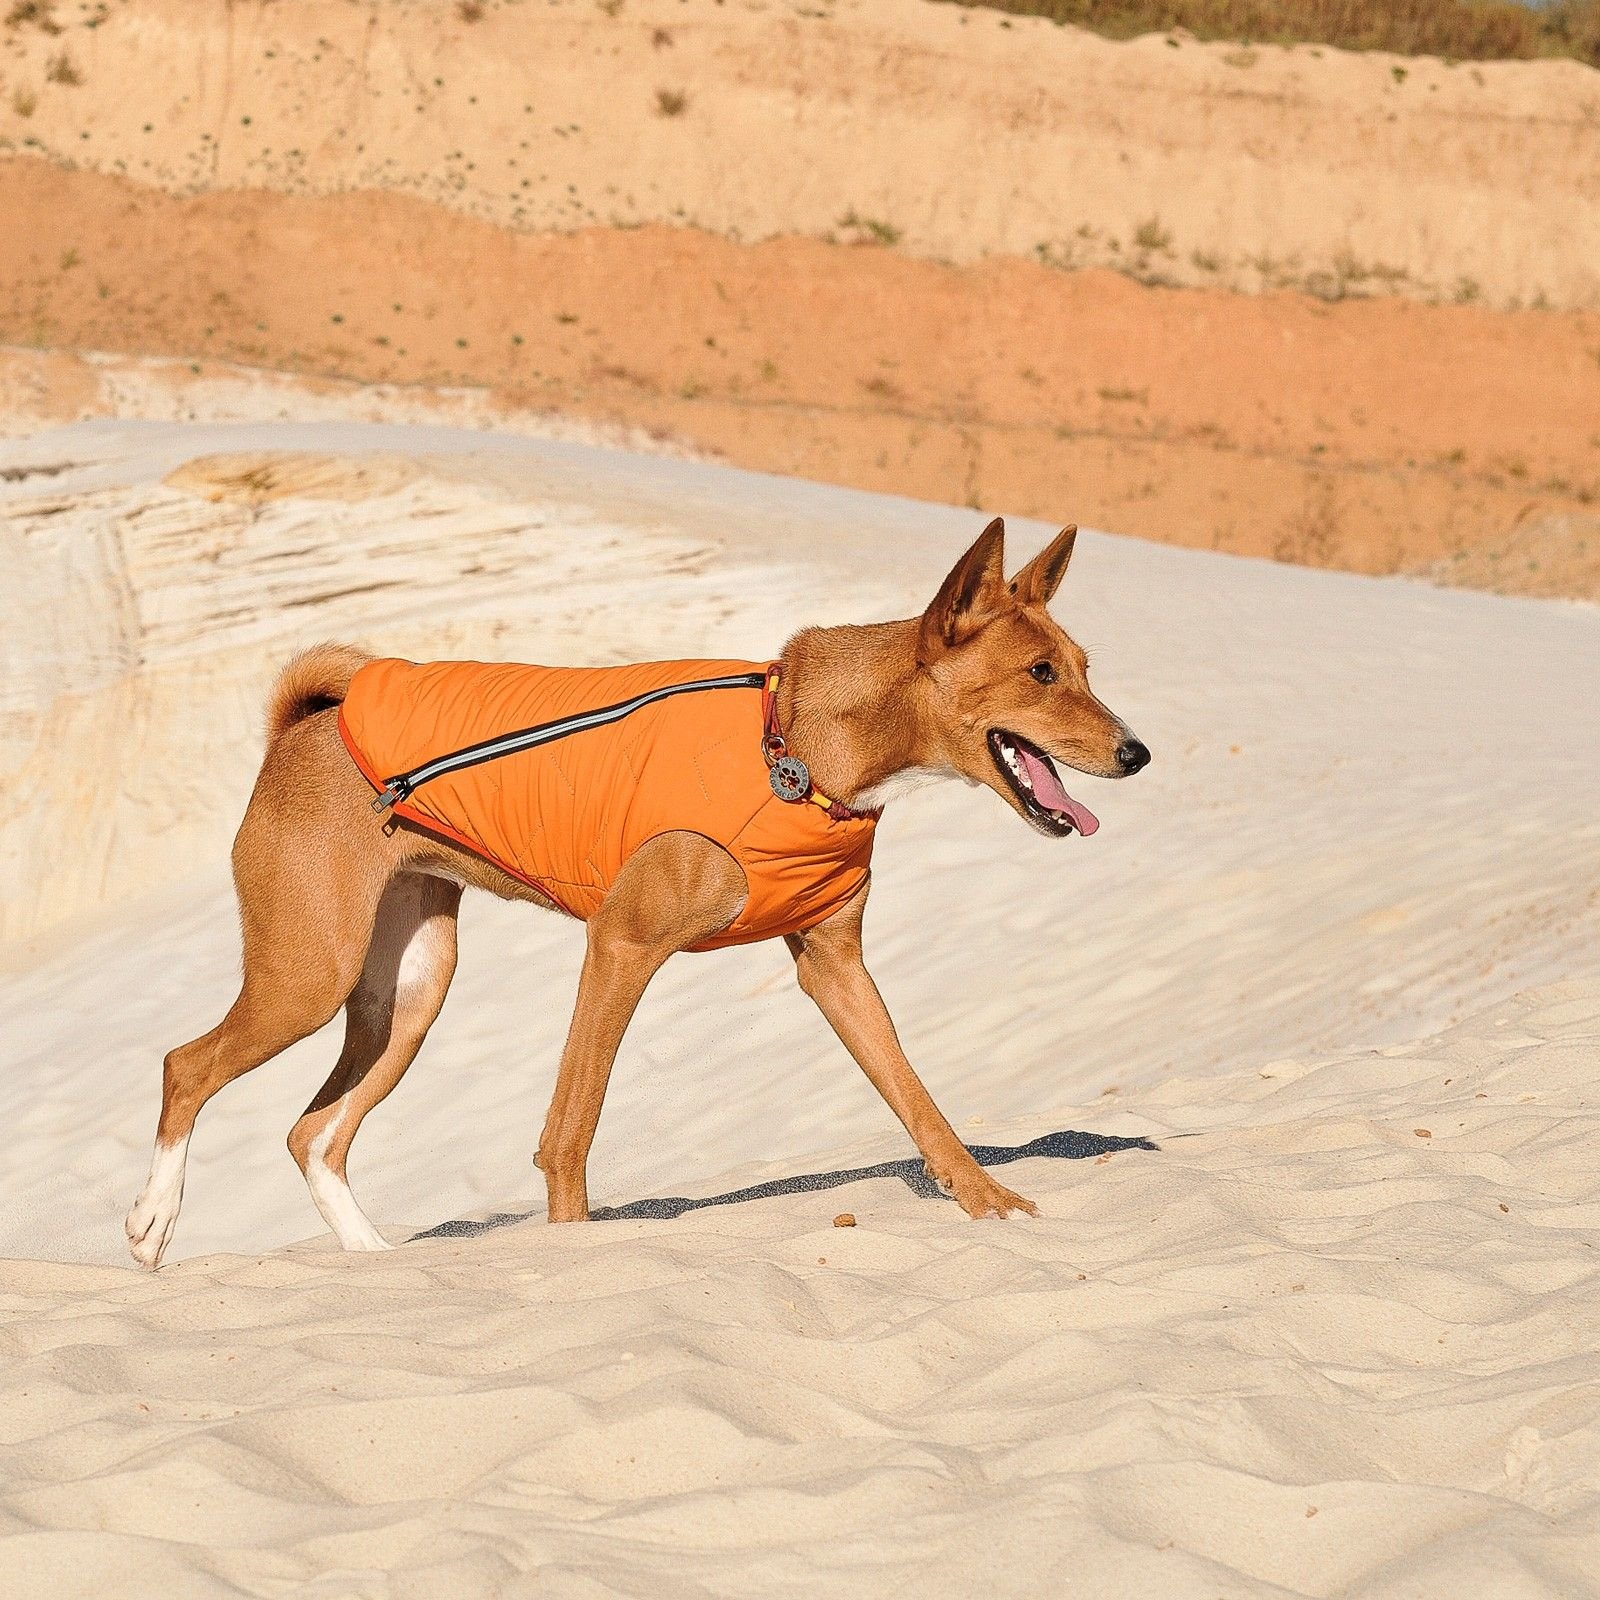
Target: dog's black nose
x,y
1132,755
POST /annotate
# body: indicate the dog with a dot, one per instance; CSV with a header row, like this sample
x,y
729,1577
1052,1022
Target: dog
x,y
729,802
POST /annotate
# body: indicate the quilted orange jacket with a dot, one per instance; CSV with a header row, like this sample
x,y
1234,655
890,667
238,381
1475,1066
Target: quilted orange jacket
x,y
558,774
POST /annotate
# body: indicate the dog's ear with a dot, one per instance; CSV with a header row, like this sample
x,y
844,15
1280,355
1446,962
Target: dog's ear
x,y
974,591
1037,583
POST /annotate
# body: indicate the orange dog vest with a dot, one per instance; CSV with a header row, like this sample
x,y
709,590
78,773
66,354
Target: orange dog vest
x,y
563,810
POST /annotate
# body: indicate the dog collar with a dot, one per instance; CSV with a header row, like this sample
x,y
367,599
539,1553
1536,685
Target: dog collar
x,y
789,776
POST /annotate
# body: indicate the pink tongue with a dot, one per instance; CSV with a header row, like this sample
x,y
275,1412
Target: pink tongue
x,y
1048,792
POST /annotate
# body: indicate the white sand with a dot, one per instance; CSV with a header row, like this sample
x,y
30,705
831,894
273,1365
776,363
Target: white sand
x,y
1309,1353
1299,1350
40,388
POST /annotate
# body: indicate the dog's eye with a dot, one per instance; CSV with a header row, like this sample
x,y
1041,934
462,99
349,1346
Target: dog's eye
x,y
1042,672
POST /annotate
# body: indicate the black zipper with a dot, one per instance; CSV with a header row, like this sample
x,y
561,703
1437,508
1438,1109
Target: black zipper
x,y
403,784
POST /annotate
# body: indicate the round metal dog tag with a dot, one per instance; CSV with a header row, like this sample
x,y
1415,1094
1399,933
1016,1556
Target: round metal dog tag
x,y
789,778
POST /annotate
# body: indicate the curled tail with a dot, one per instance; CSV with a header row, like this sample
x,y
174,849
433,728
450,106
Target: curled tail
x,y
315,680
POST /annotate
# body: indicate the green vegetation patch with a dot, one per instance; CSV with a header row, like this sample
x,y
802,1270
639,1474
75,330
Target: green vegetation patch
x,y
1458,30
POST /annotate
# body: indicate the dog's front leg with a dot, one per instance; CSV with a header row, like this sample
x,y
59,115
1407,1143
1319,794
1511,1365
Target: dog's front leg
x,y
615,974
674,892
830,968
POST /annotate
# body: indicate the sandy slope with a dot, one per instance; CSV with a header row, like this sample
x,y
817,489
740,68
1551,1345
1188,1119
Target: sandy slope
x,y
966,133
1333,1336
1308,1353
1374,435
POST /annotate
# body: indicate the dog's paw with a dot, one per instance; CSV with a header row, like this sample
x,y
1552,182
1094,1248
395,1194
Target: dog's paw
x,y
149,1231
980,1196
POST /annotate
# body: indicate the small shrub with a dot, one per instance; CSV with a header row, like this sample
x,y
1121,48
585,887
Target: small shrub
x,y
33,14
869,230
470,10
671,102
24,102
1150,235
62,69
1350,268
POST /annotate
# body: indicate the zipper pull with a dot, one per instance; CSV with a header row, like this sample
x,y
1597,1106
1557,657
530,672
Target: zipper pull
x,y
395,789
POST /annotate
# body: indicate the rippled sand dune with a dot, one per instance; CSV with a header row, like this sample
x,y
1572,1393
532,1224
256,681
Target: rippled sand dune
x,y
1332,1333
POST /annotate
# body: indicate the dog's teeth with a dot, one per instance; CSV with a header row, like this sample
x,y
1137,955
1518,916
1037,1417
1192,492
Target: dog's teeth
x,y
1014,765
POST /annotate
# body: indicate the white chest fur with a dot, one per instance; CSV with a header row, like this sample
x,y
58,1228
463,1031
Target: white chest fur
x,y
901,783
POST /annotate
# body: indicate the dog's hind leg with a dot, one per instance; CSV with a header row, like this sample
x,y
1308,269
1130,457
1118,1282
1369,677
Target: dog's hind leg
x,y
394,1003
281,1003
308,896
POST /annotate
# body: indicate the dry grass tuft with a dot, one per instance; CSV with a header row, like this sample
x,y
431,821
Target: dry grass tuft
x,y
1459,30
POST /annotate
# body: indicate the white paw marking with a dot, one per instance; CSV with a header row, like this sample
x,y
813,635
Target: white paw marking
x,y
155,1212
334,1199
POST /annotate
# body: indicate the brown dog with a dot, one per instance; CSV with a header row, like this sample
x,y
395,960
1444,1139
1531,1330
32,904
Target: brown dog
x,y
341,909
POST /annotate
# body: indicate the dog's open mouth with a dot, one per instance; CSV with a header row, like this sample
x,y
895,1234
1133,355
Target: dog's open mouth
x,y
1033,780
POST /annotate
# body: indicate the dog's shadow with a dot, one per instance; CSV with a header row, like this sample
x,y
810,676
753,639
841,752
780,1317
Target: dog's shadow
x,y
1066,1145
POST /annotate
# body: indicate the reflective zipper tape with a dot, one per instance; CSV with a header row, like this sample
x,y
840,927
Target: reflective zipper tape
x,y
402,784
